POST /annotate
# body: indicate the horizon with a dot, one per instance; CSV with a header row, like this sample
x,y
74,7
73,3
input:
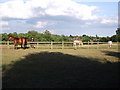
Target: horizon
x,y
60,34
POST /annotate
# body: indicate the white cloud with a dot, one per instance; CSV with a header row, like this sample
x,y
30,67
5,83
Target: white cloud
x,y
36,8
70,8
15,9
109,21
40,24
96,0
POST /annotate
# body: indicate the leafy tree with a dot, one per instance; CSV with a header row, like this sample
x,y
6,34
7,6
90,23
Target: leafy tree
x,y
47,35
5,37
97,37
113,38
118,34
0,37
39,37
15,34
32,34
118,31
47,32
118,38
85,38
71,36
104,39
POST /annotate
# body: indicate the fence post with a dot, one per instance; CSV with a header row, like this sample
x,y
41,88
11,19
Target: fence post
x,y
62,44
97,45
8,45
37,45
51,45
88,45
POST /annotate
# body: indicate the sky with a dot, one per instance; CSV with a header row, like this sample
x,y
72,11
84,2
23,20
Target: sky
x,y
62,17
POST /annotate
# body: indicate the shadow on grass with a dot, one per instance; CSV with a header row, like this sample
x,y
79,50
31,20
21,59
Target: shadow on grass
x,y
111,53
58,70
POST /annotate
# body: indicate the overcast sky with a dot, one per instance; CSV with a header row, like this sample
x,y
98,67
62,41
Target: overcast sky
x,y
63,17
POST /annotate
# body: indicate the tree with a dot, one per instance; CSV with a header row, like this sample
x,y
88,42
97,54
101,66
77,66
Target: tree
x,y
85,38
47,32
97,37
71,36
118,34
21,35
40,37
0,37
4,37
47,35
32,34
104,39
118,31
113,38
15,34
84,35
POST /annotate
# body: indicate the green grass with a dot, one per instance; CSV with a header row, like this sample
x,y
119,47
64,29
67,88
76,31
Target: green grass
x,y
9,55
63,68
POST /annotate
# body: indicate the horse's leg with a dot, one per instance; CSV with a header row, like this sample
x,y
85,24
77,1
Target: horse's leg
x,y
75,46
111,45
79,44
24,45
21,45
15,46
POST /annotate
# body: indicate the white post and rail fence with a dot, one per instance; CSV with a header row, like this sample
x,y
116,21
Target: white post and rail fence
x,y
59,45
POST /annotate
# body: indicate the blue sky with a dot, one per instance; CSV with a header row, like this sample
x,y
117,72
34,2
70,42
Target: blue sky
x,y
63,17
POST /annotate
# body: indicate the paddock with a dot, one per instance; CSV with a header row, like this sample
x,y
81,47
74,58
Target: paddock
x,y
56,65
51,68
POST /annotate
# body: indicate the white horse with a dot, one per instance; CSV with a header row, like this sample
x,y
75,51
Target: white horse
x,y
79,42
109,43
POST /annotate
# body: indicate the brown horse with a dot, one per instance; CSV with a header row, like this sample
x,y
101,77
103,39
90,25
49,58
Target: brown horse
x,y
22,41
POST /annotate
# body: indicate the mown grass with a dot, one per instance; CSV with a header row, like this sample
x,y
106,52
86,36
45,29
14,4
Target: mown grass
x,y
9,55
63,68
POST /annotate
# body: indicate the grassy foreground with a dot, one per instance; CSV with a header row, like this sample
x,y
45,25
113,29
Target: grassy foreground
x,y
10,55
63,68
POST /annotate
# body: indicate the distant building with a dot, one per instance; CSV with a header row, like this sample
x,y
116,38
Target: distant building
x,y
96,39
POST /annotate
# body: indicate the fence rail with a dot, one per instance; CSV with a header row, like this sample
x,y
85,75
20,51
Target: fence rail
x,y
61,45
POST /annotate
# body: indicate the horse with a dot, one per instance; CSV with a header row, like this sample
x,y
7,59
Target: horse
x,y
77,41
109,44
22,41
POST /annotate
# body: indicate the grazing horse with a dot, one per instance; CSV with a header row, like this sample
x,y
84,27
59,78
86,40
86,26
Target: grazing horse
x,y
22,41
77,41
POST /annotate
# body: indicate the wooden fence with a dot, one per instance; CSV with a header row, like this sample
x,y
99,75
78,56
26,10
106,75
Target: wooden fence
x,y
62,45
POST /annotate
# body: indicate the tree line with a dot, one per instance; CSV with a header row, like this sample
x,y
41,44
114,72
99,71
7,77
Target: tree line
x,y
47,36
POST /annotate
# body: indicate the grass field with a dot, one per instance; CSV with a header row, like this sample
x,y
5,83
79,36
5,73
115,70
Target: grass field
x,y
63,68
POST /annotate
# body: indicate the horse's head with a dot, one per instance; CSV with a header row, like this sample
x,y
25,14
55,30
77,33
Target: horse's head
x,y
11,38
